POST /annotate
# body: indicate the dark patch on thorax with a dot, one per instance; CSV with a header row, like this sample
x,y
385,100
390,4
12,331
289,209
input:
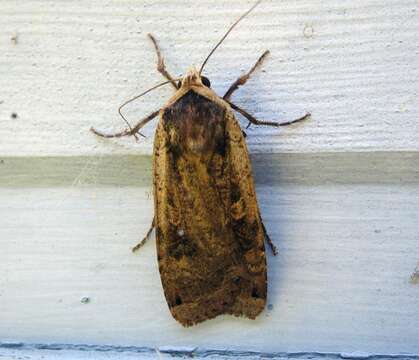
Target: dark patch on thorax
x,y
195,125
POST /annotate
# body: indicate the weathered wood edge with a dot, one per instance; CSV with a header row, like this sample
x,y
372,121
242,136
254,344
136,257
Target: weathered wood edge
x,y
18,348
269,169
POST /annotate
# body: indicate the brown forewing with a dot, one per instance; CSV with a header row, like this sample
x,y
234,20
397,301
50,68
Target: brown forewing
x,y
210,240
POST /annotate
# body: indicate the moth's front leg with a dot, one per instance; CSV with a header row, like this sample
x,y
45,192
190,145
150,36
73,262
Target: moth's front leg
x,y
243,79
128,132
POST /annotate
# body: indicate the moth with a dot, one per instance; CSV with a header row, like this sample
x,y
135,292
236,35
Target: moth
x,y
209,232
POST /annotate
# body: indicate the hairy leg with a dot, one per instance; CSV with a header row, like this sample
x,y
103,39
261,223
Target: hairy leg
x,y
253,120
161,67
128,132
269,241
142,242
243,79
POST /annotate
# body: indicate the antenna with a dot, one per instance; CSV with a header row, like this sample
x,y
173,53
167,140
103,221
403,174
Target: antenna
x,y
228,32
138,96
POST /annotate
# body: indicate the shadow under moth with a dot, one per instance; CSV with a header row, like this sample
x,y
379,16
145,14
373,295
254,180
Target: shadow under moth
x,y
209,232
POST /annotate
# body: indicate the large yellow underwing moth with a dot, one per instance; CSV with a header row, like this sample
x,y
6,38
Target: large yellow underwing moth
x,y
209,232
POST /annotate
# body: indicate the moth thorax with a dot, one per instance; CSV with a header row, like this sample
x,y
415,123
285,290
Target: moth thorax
x,y
192,78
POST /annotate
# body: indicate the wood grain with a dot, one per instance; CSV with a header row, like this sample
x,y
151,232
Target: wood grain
x,y
342,206
353,64
18,351
341,282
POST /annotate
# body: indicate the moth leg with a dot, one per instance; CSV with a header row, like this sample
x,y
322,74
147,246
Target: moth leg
x,y
161,67
253,120
269,241
243,79
146,237
128,132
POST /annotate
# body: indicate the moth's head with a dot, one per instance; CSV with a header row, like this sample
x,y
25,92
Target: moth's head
x,y
193,78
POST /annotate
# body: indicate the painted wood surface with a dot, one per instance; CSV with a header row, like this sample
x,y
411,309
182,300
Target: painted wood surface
x,y
19,351
341,283
340,192
68,65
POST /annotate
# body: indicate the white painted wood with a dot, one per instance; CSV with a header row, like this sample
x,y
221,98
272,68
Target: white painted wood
x,y
45,354
68,65
346,225
54,352
341,283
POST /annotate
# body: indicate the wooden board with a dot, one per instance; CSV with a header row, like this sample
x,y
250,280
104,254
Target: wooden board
x,y
68,65
340,192
346,228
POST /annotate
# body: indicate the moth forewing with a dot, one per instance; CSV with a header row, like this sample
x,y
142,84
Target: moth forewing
x,y
210,238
